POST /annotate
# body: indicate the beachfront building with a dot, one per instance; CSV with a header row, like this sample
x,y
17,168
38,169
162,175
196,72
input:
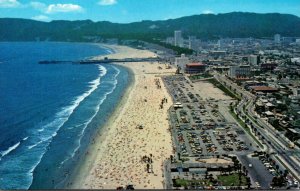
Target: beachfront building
x,y
277,38
263,89
178,40
241,71
195,68
181,62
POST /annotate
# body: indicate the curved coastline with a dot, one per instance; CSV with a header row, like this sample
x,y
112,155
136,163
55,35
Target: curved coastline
x,y
36,120
114,159
90,133
85,165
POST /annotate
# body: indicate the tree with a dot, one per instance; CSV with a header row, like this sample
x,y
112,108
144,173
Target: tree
x,y
277,167
206,174
211,177
248,182
267,156
286,172
244,169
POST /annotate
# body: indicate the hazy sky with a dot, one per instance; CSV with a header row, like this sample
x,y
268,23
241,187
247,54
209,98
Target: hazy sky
x,y
124,11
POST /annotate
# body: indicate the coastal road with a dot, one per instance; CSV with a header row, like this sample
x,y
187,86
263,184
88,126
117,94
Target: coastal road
x,y
275,143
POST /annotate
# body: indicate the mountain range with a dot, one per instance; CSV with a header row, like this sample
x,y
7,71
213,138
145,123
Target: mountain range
x,y
204,26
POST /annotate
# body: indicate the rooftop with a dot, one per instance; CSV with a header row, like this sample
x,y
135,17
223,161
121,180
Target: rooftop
x,y
195,64
263,88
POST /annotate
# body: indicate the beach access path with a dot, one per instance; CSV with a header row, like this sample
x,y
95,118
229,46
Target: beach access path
x,y
139,127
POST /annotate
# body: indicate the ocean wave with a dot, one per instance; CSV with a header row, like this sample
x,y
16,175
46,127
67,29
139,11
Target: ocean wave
x,y
63,116
102,70
10,149
115,82
110,51
34,145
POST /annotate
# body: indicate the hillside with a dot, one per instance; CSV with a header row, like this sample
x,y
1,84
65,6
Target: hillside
x,y
235,24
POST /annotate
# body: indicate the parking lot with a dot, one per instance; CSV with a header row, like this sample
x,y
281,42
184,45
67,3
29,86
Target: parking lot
x,y
203,127
199,127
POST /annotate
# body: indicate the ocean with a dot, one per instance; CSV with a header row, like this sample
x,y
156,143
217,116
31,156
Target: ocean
x,y
49,113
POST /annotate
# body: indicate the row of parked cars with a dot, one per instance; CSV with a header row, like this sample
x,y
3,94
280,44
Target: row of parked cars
x,y
194,143
229,141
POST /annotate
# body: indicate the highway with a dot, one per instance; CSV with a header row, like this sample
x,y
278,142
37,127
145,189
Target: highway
x,y
275,141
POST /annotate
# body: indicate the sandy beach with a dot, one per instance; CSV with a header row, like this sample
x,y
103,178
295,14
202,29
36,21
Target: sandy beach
x,y
136,137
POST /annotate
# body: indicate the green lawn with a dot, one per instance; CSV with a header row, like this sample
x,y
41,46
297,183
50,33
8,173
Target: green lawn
x,y
200,76
232,180
185,183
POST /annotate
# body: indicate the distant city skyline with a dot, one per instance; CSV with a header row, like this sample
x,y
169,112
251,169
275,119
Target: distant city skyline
x,y
125,11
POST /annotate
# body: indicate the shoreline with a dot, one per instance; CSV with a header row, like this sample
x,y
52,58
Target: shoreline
x,y
86,174
86,164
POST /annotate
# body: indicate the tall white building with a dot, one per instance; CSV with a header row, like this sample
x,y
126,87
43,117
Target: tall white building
x,y
178,41
253,60
277,38
181,62
194,43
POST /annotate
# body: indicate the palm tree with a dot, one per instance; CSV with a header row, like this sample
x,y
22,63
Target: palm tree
x,y
211,178
221,169
206,174
248,182
244,169
277,167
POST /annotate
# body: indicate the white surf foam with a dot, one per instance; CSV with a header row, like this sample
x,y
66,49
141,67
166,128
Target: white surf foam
x,y
115,82
63,116
10,149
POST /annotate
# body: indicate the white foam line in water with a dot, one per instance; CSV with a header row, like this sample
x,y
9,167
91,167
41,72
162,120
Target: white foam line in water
x,y
63,116
96,111
10,149
34,145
